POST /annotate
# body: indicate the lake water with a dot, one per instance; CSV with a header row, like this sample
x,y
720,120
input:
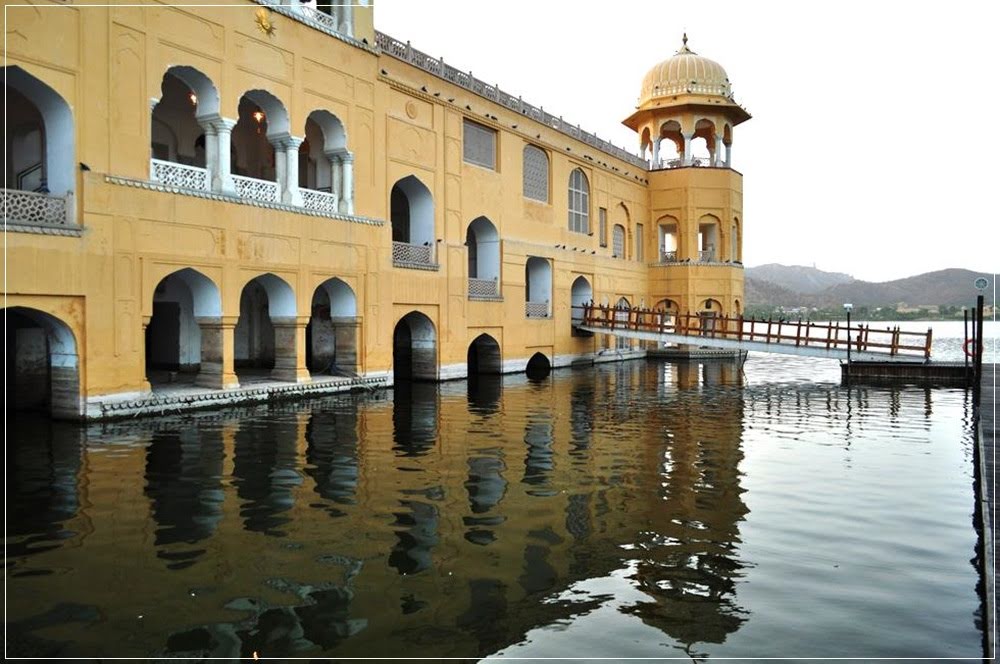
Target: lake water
x,y
641,509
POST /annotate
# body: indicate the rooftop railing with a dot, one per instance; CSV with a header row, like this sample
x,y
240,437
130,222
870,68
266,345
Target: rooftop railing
x,y
437,66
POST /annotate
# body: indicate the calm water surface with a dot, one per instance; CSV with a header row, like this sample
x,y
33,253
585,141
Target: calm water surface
x,y
636,509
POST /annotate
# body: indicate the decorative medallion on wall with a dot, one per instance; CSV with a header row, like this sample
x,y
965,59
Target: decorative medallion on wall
x,y
411,110
263,20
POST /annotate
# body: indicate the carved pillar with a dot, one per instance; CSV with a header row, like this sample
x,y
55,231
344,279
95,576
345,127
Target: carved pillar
x,y
687,149
290,194
729,156
218,336
290,349
717,155
211,149
347,20
347,184
335,173
656,152
222,176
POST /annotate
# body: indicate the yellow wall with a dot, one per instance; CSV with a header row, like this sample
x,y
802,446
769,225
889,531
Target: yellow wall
x,y
108,63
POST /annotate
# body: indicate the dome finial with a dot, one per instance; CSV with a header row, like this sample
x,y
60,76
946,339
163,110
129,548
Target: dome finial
x,y
685,39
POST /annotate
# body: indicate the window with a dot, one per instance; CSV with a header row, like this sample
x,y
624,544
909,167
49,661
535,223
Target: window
x,y
602,227
618,241
479,145
638,242
536,174
579,202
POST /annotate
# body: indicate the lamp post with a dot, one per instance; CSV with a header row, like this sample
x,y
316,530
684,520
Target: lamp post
x,y
847,307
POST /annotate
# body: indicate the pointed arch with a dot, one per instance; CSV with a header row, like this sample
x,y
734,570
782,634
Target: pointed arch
x,y
43,366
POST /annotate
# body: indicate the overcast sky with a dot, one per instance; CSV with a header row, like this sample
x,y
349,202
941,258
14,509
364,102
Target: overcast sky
x,y
873,147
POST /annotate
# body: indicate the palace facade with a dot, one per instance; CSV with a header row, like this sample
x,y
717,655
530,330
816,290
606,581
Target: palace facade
x,y
272,198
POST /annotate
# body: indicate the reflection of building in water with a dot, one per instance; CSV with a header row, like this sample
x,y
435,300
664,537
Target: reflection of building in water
x,y
265,472
43,463
332,454
690,562
415,418
184,485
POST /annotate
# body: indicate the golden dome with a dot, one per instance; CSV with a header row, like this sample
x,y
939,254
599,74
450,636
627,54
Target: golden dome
x,y
685,73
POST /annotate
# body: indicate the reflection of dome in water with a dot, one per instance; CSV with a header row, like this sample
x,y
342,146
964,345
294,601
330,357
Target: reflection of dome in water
x,y
685,72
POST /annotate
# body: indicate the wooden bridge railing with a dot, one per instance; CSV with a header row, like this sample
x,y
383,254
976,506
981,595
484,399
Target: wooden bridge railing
x,y
861,338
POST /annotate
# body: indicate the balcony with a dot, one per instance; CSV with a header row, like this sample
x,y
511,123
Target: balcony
x,y
536,309
706,256
254,189
183,176
668,257
484,289
322,201
697,162
28,208
420,257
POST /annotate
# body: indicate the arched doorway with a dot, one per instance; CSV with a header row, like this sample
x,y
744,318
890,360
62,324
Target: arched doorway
x,y
43,369
538,366
332,335
183,302
483,243
411,211
710,311
484,356
581,293
259,151
326,168
537,287
266,341
414,349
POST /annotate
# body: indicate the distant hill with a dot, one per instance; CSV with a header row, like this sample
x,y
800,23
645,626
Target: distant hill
x,y
951,287
796,287
798,278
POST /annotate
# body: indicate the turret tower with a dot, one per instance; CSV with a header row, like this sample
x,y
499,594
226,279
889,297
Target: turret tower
x,y
685,120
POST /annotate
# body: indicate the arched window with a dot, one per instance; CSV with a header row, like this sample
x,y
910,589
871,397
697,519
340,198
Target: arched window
x,y
326,170
579,202
40,162
618,241
536,174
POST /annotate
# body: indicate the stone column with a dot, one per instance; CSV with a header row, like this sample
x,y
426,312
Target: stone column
x,y
729,156
290,193
347,184
218,336
222,175
280,163
687,149
347,331
347,20
211,149
656,153
336,185
290,349
717,155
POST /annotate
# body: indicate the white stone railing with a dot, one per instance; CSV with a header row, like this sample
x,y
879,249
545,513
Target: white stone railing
x,y
319,200
668,256
406,254
405,52
179,175
28,207
483,289
707,256
536,309
260,190
699,162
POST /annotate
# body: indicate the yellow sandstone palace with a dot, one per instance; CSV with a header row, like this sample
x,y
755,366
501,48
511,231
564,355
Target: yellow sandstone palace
x,y
222,204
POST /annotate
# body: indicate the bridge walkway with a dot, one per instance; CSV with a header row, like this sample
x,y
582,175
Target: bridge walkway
x,y
861,343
